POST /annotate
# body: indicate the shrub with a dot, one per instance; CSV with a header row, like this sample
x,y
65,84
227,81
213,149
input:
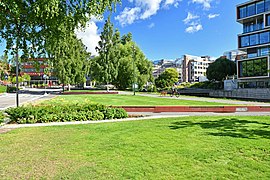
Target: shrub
x,y
11,89
64,113
2,116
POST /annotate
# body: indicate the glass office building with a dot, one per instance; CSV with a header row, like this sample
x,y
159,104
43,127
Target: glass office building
x,y
253,69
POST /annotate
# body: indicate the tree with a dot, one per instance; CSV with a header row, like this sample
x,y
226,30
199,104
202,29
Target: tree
x,y
26,78
167,78
68,59
34,26
220,69
4,67
107,63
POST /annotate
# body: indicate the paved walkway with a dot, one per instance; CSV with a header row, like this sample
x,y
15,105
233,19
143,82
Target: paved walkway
x,y
194,98
9,99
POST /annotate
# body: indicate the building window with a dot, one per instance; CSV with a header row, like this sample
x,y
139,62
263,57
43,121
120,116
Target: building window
x,y
253,68
260,24
263,51
260,7
253,40
264,37
244,41
268,20
267,5
251,10
243,12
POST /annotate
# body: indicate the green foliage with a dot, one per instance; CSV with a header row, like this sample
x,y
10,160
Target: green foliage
x,y
3,89
2,116
120,61
63,113
220,69
205,85
69,58
11,89
26,77
167,78
41,23
107,63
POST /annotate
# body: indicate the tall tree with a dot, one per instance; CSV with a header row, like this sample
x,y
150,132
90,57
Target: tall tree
x,y
107,63
220,69
68,59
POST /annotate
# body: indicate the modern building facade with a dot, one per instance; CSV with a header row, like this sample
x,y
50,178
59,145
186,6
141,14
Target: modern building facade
x,y
253,69
194,68
233,54
159,66
35,68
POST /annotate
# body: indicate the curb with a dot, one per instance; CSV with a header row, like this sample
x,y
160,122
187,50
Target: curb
x,y
15,126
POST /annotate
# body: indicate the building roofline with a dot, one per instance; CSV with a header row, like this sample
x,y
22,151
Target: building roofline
x,y
246,3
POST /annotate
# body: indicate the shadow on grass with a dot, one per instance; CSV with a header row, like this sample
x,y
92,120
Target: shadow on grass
x,y
231,127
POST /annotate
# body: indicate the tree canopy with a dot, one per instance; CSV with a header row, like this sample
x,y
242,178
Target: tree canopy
x,y
32,26
220,69
167,78
120,60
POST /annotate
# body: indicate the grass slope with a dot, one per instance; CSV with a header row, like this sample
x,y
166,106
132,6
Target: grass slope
x,y
179,148
129,100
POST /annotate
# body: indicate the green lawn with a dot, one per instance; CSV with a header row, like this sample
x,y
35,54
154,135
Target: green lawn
x,y
3,89
129,100
178,148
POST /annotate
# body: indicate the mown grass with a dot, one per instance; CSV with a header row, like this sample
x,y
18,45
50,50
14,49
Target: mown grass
x,y
130,100
178,148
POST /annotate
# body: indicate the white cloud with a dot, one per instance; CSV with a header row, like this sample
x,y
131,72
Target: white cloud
x,y
190,17
143,9
150,26
194,27
150,7
175,3
128,16
90,36
211,16
206,3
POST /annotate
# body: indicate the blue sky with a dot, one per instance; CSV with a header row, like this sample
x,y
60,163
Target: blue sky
x,y
170,28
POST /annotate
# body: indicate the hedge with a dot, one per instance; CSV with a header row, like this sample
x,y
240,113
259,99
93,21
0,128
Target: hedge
x,y
64,113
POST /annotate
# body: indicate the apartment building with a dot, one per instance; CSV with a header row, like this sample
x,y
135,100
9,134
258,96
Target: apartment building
x,y
194,68
161,65
253,69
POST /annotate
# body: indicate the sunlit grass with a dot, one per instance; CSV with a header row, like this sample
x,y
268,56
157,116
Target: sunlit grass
x,y
130,100
178,148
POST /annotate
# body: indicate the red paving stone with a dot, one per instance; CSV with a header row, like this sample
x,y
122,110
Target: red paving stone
x,y
196,108
81,93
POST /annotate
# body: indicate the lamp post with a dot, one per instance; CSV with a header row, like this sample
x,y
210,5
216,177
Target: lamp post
x,y
17,72
133,62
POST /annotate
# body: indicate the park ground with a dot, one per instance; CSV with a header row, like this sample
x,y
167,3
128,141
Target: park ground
x,y
169,148
187,147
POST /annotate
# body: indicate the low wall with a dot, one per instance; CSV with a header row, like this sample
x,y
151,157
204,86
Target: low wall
x,y
72,93
253,94
158,109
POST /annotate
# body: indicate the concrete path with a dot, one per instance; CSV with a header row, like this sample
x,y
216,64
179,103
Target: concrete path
x,y
9,99
194,98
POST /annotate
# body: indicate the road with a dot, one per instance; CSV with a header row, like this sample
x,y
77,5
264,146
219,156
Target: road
x,y
9,99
